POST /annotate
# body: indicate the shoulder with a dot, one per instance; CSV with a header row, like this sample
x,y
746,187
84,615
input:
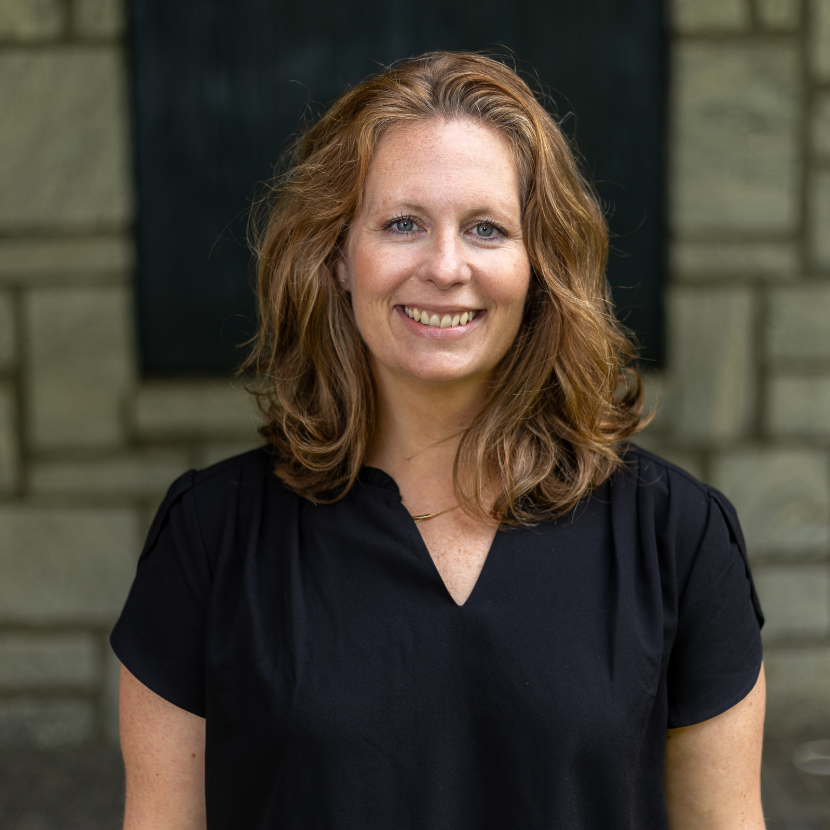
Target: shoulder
x,y
672,496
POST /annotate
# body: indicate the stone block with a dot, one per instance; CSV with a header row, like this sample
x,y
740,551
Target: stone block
x,y
711,362
798,688
66,566
8,332
818,219
82,260
795,599
782,498
48,661
80,365
734,132
819,29
139,475
45,724
98,18
693,16
820,126
779,15
798,406
716,261
798,324
214,452
64,140
9,448
194,410
32,20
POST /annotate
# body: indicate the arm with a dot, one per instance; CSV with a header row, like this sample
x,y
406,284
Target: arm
x,y
713,769
164,757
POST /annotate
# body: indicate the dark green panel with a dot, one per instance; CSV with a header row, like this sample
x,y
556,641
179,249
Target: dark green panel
x,y
219,86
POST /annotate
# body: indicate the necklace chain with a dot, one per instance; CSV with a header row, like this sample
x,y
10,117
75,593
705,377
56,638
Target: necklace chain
x,y
424,516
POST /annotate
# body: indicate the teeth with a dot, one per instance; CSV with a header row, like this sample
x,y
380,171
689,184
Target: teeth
x,y
445,322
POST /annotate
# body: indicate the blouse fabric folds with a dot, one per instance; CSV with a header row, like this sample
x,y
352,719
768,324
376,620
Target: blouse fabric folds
x,y
344,689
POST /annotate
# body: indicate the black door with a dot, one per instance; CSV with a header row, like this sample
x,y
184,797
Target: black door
x,y
219,86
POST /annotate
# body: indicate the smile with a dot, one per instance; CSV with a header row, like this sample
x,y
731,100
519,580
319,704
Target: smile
x,y
445,321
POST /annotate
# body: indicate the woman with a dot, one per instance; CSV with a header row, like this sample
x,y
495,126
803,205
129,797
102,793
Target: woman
x,y
449,594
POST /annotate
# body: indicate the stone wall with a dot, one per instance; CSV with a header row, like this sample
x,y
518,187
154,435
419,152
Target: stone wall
x,y
87,447
746,394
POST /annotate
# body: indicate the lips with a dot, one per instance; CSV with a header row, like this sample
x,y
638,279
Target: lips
x,y
440,321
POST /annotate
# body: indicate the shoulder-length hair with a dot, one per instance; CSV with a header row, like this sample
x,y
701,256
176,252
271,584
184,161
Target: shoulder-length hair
x,y
561,402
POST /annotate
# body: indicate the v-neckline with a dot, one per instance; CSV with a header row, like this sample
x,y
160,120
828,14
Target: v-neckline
x,y
379,478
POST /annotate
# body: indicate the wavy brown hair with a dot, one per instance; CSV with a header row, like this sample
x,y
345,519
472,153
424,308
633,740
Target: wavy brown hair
x,y
561,402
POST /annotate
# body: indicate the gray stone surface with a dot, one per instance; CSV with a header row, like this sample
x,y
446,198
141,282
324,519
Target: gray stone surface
x,y
98,18
795,599
712,388
32,20
45,723
80,367
734,132
214,452
819,30
798,406
8,332
782,498
31,660
137,474
64,157
818,205
780,15
9,447
720,261
65,566
820,126
70,261
798,688
693,16
799,323
195,410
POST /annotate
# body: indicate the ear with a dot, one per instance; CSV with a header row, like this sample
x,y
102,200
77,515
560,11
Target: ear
x,y
342,274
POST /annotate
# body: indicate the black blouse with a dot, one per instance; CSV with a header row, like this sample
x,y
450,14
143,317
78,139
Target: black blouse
x,y
344,688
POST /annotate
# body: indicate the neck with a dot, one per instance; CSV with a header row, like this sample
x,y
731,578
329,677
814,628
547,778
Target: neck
x,y
418,430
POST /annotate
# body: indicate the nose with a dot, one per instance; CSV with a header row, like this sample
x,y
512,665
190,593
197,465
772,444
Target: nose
x,y
445,263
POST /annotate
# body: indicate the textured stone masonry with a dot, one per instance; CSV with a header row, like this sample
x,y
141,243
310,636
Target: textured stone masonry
x,y
799,407
795,599
799,323
57,262
699,262
9,445
798,687
734,132
65,566
710,336
42,661
80,366
695,16
63,148
779,15
8,332
98,18
818,195
819,29
46,724
782,498
30,21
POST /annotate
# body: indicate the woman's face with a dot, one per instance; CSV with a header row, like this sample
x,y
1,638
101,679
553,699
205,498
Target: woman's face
x,y
435,262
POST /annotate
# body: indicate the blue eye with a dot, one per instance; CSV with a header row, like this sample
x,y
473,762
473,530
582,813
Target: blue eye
x,y
404,225
485,230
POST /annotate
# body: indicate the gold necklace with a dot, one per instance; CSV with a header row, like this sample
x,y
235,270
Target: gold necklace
x,y
424,516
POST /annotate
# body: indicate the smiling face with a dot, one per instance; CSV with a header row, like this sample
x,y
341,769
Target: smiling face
x,y
435,261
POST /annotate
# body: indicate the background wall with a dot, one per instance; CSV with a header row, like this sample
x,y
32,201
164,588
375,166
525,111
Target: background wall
x,y
87,448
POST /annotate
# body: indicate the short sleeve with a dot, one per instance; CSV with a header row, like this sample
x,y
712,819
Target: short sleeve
x,y
159,636
716,655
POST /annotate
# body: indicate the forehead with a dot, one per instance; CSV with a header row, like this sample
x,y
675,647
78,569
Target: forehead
x,y
440,160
